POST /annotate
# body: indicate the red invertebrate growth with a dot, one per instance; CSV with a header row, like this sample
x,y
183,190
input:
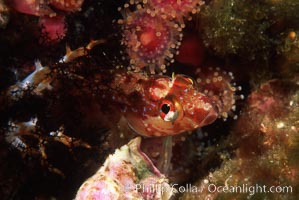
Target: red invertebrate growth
x,y
52,24
42,7
67,5
219,87
175,8
150,40
53,28
32,7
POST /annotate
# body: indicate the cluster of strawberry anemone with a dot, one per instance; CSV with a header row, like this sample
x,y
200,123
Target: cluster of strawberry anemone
x,y
52,23
220,87
152,31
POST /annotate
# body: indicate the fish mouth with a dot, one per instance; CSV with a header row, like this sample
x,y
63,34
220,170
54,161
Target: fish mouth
x,y
210,118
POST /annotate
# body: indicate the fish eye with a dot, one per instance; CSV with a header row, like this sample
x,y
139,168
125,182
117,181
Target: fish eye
x,y
165,108
168,111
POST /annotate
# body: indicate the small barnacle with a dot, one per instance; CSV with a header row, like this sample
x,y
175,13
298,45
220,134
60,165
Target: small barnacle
x,y
126,174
